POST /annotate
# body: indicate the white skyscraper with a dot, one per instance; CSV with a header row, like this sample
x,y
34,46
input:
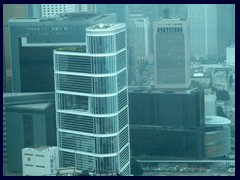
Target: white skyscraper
x,y
87,8
211,29
208,29
49,10
92,102
203,29
139,41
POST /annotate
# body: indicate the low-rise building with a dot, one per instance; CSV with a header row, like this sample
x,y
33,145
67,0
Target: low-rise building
x,y
40,161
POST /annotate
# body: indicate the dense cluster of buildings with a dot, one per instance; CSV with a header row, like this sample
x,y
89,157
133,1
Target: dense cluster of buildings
x,y
75,106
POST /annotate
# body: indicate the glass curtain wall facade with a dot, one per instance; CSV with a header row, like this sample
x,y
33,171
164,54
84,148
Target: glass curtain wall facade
x,y
92,103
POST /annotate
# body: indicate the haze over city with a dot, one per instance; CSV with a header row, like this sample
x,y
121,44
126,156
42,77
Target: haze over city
x,y
118,89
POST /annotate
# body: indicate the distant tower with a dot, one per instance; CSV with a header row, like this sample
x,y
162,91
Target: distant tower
x,y
171,53
9,11
211,29
121,11
139,42
203,29
91,8
86,8
92,102
49,10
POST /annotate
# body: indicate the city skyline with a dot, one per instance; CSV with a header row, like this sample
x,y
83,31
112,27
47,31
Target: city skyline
x,y
119,89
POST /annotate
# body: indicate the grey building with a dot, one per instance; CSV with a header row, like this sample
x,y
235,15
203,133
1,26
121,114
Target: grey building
x,y
68,28
33,10
121,11
211,20
28,120
138,43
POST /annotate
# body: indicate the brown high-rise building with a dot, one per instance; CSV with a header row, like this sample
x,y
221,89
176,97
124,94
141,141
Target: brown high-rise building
x,y
171,53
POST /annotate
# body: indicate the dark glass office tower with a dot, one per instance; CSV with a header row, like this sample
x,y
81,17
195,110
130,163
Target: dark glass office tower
x,y
40,35
166,125
9,11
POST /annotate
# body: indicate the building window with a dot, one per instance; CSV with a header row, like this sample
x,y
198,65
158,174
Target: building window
x,y
28,130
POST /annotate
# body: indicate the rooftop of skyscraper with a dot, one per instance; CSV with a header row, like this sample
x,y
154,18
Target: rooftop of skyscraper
x,y
163,90
105,26
75,16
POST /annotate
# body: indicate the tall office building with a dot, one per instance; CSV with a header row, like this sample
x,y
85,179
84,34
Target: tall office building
x,y
50,10
138,42
171,53
87,8
203,29
225,28
121,11
9,11
211,29
230,24
33,10
32,43
92,102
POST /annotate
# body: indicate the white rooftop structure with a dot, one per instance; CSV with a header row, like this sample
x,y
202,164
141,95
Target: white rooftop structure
x,y
216,120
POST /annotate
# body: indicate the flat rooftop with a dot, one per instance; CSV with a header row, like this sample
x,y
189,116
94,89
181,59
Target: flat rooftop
x,y
41,148
105,27
24,94
63,17
216,120
79,48
161,91
37,106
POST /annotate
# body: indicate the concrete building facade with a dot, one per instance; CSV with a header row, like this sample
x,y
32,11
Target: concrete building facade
x,y
171,53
